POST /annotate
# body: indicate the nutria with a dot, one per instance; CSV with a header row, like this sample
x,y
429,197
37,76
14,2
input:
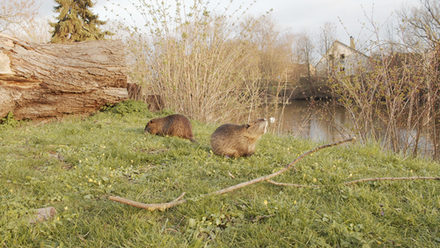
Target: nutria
x,y
172,125
237,140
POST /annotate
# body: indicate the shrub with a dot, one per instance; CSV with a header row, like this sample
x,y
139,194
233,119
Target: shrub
x,y
128,107
9,120
207,65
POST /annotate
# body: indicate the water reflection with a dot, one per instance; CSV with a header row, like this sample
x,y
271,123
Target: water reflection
x,y
317,121
325,122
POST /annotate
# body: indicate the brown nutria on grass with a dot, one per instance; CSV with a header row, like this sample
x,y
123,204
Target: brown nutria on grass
x,y
237,140
172,125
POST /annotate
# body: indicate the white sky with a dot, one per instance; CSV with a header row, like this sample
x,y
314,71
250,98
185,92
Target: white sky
x,y
305,15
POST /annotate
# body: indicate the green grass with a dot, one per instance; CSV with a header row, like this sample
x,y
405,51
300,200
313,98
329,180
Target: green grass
x,y
75,164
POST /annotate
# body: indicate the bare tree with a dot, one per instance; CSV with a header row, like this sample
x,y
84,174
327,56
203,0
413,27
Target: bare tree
x,y
38,31
303,50
423,23
274,46
325,40
14,13
326,37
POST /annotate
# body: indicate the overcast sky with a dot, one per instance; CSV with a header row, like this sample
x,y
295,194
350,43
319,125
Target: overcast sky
x,y
307,15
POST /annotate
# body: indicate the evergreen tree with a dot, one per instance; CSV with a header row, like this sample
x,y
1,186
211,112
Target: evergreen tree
x,y
76,22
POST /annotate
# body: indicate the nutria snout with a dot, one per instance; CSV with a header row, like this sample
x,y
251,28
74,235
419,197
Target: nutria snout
x,y
237,140
172,125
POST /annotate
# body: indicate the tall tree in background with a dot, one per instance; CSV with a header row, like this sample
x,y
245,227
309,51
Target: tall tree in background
x,y
303,49
275,47
76,22
326,37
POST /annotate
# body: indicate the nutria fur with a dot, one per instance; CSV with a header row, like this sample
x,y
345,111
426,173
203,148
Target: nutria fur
x,y
237,140
172,125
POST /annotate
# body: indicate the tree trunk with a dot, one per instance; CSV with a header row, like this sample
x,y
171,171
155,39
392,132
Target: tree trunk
x,y
39,81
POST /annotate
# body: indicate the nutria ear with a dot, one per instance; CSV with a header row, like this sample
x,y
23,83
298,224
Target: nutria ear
x,y
248,126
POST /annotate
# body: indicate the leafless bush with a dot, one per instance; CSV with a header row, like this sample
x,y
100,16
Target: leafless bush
x,y
208,65
397,101
19,19
14,13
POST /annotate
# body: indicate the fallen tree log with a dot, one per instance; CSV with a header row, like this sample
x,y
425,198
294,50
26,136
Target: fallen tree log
x,y
40,81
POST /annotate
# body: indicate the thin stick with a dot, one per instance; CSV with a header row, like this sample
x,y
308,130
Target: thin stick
x,y
293,184
150,207
390,179
179,200
363,180
287,167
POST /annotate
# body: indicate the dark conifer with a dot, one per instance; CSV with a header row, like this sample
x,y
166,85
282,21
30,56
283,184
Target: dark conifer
x,y
76,22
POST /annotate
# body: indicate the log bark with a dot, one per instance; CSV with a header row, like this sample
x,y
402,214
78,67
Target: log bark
x,y
52,80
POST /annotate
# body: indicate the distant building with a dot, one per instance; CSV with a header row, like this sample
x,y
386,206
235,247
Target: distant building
x,y
341,58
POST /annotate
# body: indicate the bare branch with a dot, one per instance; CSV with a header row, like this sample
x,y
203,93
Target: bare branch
x,y
178,201
150,207
293,184
424,22
433,12
363,180
14,13
389,179
288,167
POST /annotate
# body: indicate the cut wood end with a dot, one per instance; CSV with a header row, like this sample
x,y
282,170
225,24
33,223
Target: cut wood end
x,y
5,62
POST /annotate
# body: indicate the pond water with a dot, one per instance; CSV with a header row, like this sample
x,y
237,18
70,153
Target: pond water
x,y
317,121
322,121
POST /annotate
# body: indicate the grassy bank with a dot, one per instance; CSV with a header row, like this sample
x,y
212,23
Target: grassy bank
x,y
75,164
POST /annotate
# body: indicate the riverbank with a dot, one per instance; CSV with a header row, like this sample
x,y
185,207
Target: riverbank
x,y
75,164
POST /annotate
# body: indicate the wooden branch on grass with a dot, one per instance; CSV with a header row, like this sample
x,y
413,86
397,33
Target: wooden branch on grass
x,y
390,179
152,206
179,200
362,180
293,184
286,168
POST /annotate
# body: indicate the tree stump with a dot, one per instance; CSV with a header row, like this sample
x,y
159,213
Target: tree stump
x,y
39,81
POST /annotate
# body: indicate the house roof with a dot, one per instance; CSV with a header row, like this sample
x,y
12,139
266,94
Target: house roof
x,y
336,42
349,47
